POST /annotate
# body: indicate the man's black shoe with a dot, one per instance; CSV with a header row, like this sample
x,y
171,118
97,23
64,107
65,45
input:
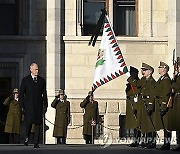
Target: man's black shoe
x,y
36,145
26,142
135,144
165,147
176,149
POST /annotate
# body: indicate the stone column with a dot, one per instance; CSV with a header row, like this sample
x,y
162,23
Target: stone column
x,y
172,21
53,61
178,28
145,18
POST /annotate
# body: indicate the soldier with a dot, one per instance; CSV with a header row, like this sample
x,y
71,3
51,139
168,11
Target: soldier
x,y
131,108
146,105
62,118
90,117
176,105
13,120
162,114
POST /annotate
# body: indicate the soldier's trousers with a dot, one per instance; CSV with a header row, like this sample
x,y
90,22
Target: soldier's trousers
x,y
178,137
88,139
137,136
167,137
13,138
61,140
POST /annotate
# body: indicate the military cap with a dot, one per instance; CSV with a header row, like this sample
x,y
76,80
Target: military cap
x,y
61,91
163,65
147,67
15,90
90,93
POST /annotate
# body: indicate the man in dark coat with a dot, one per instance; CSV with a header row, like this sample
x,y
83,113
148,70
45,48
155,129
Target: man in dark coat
x,y
145,104
176,104
33,100
162,115
62,118
90,118
131,107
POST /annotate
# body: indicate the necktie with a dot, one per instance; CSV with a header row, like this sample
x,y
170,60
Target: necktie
x,y
35,79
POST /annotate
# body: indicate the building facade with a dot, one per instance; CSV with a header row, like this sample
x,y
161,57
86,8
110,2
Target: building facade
x,y
55,34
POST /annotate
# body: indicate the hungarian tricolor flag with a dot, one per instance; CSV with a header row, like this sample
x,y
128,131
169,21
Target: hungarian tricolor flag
x,y
110,63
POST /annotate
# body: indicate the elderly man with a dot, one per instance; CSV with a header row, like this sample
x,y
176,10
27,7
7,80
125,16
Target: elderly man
x,y
33,100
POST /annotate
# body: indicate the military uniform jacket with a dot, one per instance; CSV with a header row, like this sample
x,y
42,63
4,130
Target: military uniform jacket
x,y
131,106
91,113
176,104
62,118
145,102
33,98
162,91
13,120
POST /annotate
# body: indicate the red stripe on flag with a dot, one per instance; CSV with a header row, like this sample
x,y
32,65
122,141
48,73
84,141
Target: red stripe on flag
x,y
110,33
121,73
113,41
119,57
98,84
113,76
123,64
107,25
117,49
105,80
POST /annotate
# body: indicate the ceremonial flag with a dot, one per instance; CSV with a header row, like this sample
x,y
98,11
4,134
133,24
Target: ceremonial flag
x,y
110,63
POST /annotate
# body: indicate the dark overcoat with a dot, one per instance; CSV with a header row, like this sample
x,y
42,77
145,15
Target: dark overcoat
x,y
33,99
131,106
145,102
13,120
91,113
175,118
162,92
62,118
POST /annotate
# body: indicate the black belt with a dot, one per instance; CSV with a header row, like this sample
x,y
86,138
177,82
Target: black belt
x,y
146,97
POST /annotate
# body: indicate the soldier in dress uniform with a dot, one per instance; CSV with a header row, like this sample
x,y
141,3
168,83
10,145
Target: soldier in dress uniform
x,y
146,104
131,108
14,117
162,113
176,105
62,118
90,117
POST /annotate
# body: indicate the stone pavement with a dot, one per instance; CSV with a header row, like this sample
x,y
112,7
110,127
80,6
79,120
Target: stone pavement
x,y
77,149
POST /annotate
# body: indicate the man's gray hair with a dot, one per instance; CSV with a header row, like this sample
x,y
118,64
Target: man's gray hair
x,y
33,64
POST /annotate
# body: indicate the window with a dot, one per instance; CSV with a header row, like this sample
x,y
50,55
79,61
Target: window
x,y
91,14
8,17
124,17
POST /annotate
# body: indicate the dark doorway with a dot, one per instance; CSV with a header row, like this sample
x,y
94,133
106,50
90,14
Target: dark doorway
x,y
5,88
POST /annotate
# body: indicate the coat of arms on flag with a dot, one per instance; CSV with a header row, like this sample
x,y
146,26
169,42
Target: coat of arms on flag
x,y
110,63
